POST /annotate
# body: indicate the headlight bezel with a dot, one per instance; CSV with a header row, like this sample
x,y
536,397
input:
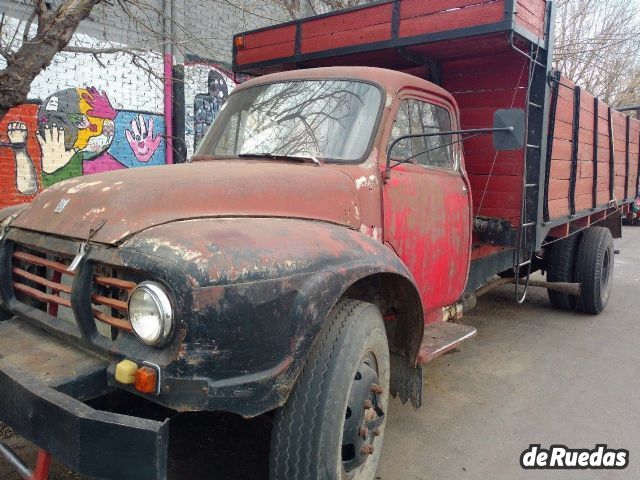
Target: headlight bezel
x,y
162,300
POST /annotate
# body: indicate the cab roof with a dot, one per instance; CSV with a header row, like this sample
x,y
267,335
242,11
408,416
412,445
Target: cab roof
x,y
389,80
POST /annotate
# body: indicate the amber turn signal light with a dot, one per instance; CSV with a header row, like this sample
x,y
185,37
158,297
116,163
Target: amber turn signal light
x,y
146,380
239,41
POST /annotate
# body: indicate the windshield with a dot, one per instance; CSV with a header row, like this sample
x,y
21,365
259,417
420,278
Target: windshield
x,y
327,119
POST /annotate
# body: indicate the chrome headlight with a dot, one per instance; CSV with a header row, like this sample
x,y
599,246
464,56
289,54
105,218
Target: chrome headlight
x,y
150,313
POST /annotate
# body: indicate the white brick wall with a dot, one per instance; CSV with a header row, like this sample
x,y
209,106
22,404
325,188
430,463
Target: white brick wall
x,y
101,134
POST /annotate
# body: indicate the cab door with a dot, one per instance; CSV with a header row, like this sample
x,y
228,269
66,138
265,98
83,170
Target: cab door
x,y
427,204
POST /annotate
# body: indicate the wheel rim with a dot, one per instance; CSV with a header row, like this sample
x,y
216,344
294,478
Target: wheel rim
x,y
364,416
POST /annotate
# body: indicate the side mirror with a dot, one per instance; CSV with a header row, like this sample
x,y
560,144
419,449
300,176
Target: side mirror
x,y
512,119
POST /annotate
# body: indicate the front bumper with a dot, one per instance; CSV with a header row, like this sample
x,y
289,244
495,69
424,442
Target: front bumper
x,y
42,382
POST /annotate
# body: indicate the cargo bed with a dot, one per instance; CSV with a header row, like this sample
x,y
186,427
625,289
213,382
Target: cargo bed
x,y
580,164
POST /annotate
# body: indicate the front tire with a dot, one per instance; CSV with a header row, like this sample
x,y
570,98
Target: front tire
x,y
594,270
332,426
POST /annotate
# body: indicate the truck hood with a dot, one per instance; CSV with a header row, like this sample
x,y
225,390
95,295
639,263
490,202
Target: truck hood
x,y
122,203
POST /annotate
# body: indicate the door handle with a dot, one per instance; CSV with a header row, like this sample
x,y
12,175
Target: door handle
x,y
464,189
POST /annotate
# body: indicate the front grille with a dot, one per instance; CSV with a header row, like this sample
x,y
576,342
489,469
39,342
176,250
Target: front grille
x,y
42,280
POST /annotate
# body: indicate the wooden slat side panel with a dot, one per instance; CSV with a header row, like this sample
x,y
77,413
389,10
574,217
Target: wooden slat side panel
x,y
560,169
347,21
367,25
480,87
530,14
277,42
478,14
416,8
347,38
619,145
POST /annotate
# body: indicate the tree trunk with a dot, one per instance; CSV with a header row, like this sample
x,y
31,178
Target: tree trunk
x,y
55,30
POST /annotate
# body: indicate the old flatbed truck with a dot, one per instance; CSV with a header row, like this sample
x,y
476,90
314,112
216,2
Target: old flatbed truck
x,y
322,244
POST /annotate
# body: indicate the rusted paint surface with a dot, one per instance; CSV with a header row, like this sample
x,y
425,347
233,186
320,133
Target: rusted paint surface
x,y
142,198
427,221
256,253
51,362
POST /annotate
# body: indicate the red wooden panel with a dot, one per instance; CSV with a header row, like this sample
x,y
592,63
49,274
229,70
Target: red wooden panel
x,y
560,169
271,36
561,149
563,131
566,82
586,102
586,119
584,201
500,200
564,112
269,52
413,8
585,152
277,42
603,110
585,135
483,164
375,15
346,38
503,77
496,99
583,186
558,208
585,170
558,189
478,14
530,14
481,64
495,183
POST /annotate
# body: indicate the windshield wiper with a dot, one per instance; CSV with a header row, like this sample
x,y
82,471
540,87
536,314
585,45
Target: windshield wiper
x,y
277,155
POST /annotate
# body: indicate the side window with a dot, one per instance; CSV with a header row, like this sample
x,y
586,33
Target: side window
x,y
415,117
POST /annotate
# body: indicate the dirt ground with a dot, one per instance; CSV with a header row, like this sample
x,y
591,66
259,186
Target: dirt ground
x,y
532,375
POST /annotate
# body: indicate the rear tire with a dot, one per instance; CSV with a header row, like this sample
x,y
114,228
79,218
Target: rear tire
x,y
594,270
319,433
560,264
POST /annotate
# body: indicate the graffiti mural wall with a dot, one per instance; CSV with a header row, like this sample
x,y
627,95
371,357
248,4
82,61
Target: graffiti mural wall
x,y
75,131
206,87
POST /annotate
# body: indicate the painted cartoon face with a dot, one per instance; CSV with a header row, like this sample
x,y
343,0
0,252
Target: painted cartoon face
x,y
52,104
83,114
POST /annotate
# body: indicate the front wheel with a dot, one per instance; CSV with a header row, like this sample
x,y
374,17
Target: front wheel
x,y
332,426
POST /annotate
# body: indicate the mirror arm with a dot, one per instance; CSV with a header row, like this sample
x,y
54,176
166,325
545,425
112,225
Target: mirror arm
x,y
387,172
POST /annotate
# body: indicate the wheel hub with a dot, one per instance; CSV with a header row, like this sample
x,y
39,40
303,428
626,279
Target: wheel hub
x,y
363,418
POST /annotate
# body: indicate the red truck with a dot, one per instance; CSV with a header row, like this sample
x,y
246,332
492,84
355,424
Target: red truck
x,y
341,213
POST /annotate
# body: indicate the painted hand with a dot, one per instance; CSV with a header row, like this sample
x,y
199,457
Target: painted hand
x,y
54,153
141,139
17,133
99,103
26,176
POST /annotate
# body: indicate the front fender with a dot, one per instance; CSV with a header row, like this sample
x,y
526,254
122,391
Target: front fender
x,y
262,288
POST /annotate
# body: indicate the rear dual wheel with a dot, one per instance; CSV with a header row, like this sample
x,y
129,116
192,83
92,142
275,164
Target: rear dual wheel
x,y
588,260
333,424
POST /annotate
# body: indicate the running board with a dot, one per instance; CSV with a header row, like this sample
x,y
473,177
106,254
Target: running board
x,y
440,338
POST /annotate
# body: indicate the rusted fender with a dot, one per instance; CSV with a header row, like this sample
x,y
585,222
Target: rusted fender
x,y
261,289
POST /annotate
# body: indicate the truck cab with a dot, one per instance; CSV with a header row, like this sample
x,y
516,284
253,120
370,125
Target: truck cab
x,y
305,215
